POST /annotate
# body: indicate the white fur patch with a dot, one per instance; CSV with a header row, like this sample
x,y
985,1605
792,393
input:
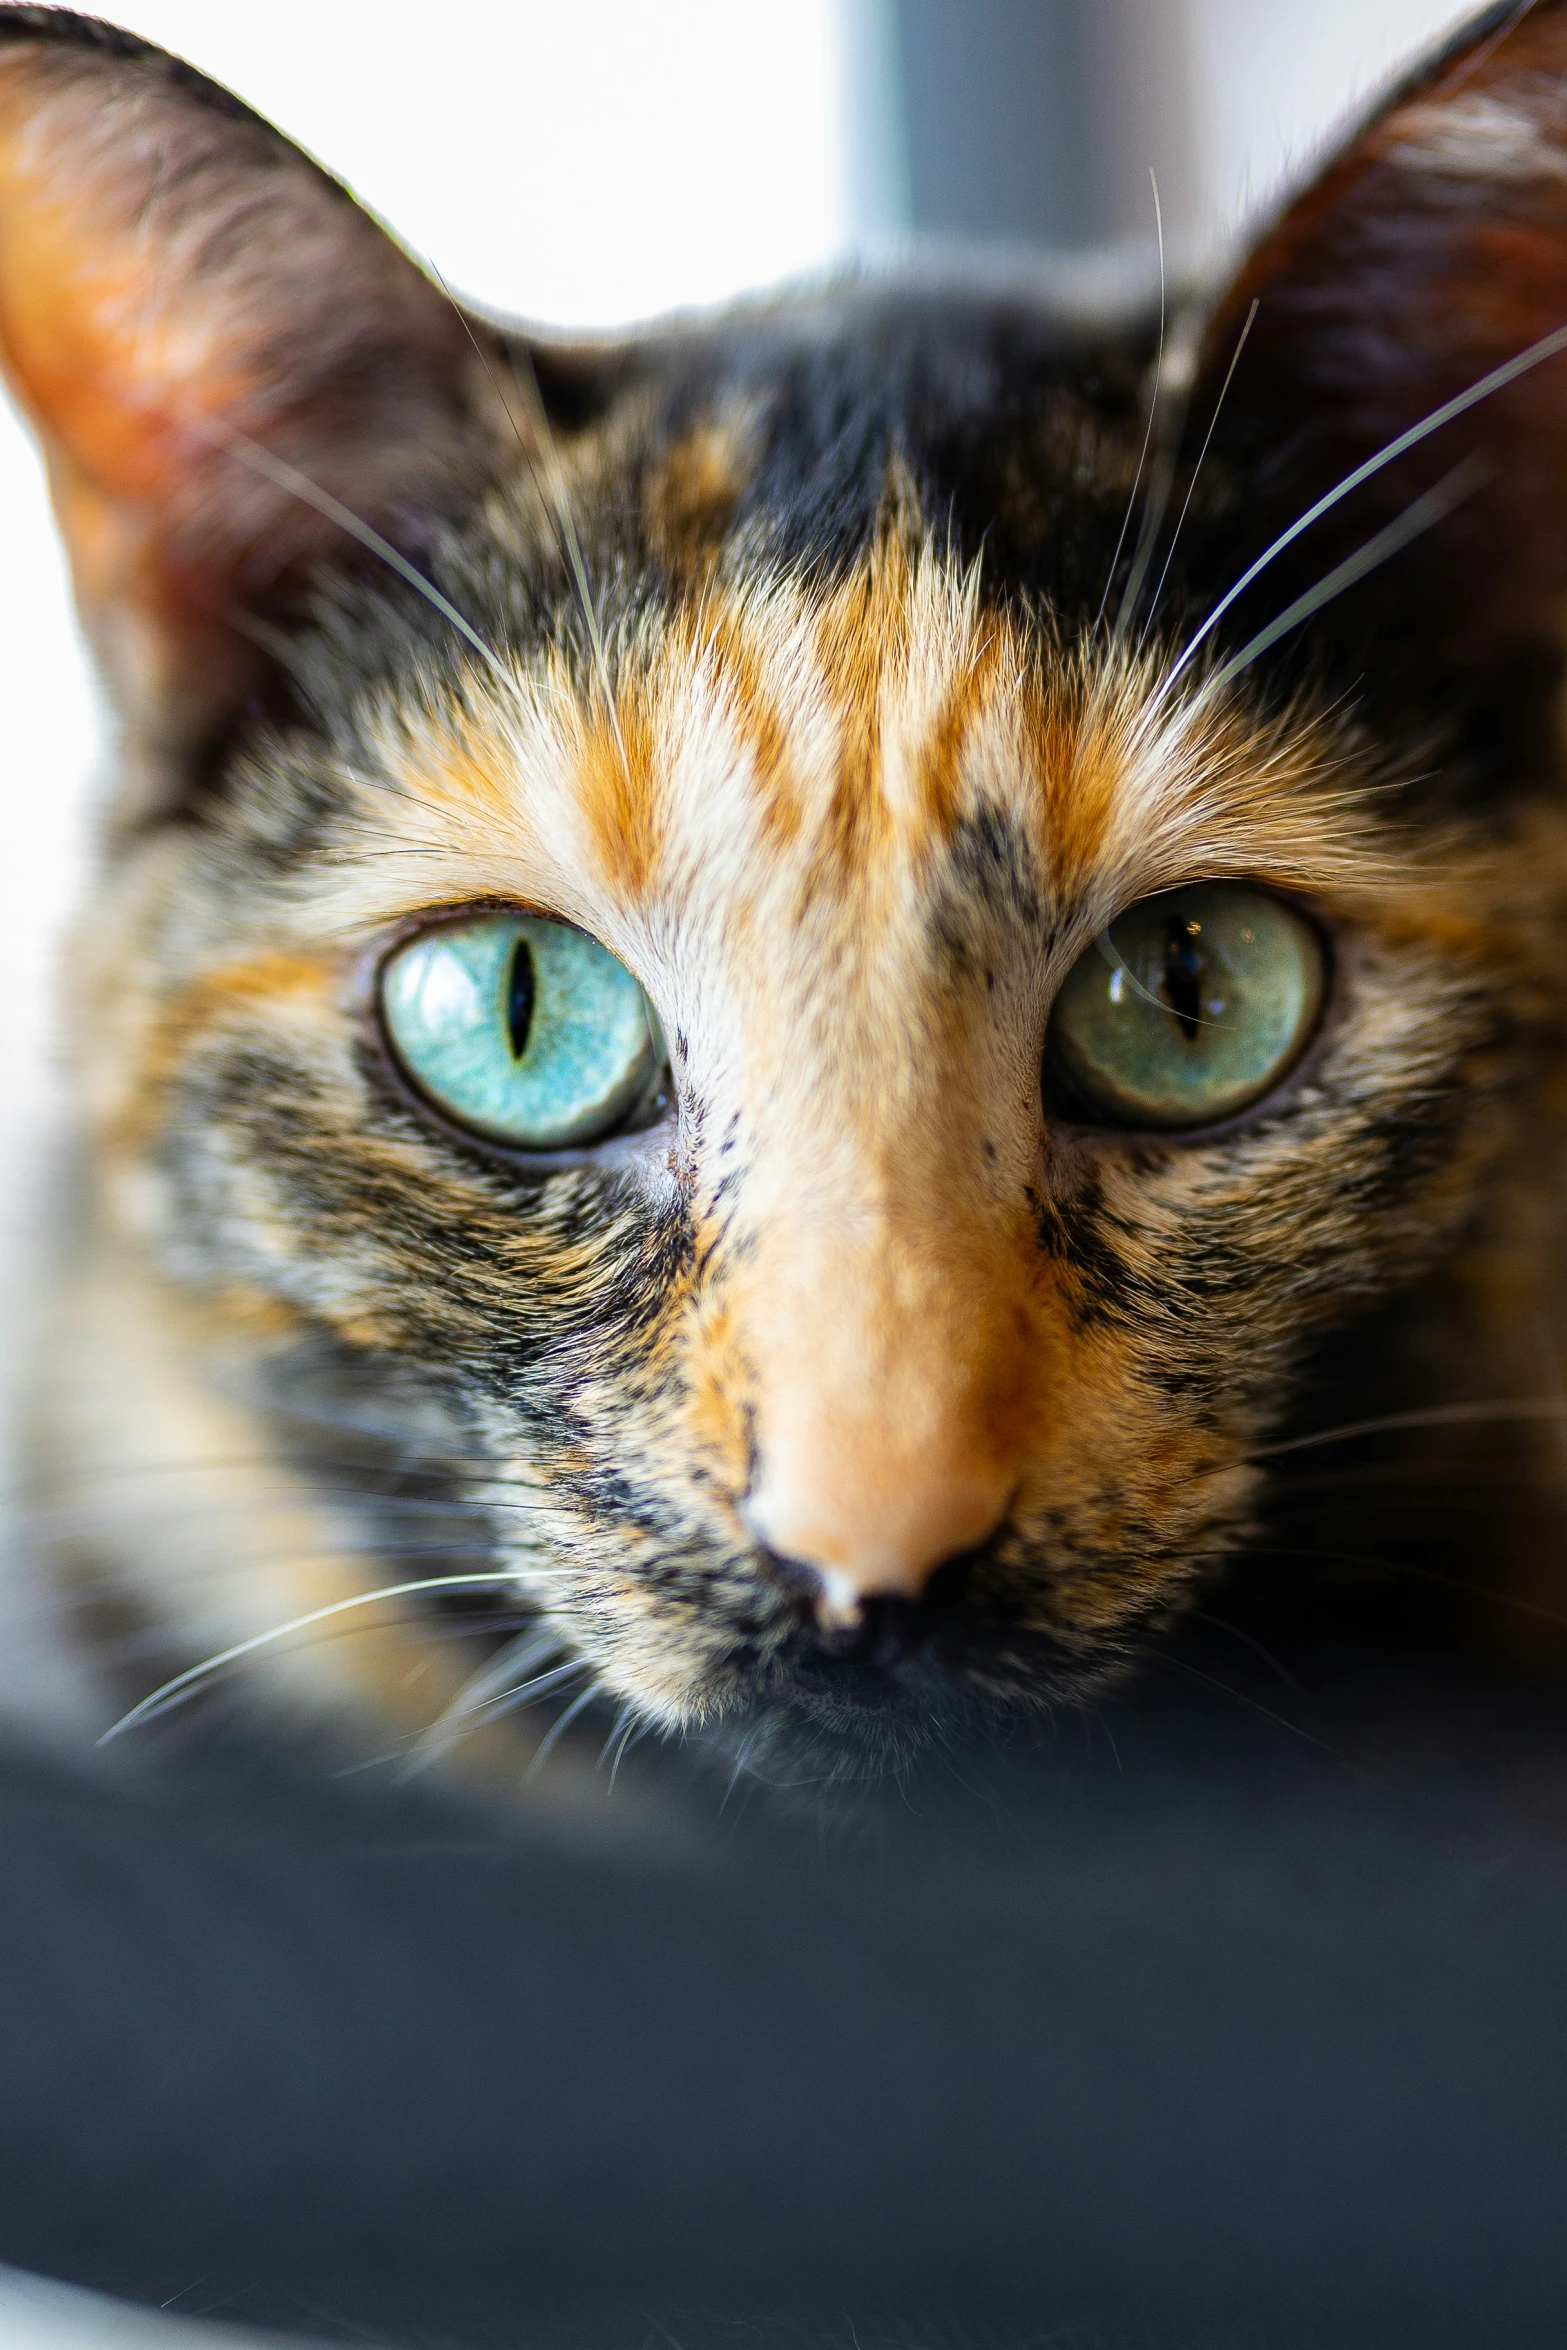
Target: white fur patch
x,y
1478,138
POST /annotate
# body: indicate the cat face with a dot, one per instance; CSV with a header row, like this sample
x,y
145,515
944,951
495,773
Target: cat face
x,y
899,1328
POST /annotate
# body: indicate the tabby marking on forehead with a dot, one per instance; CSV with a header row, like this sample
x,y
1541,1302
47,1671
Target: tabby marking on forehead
x,y
773,744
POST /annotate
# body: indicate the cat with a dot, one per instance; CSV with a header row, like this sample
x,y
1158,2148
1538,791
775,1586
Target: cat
x,y
773,1007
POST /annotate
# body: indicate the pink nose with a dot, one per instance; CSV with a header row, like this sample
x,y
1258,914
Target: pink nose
x,y
869,1526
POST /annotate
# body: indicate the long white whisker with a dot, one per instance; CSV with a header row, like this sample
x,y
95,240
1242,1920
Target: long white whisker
x,y
499,1680
158,1700
1423,515
560,497
288,478
1448,1415
748,1746
1164,475
1153,410
1175,536
628,1727
557,1727
617,1729
1498,379
525,1693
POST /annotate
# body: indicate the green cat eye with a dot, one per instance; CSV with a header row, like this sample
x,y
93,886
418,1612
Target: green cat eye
x,y
527,1031
1192,1006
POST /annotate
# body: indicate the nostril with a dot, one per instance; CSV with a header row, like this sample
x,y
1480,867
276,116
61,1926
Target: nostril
x,y
883,1631
880,1628
889,1631
864,1628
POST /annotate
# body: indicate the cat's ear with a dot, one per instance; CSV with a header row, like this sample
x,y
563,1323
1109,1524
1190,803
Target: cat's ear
x,y
184,295
1426,255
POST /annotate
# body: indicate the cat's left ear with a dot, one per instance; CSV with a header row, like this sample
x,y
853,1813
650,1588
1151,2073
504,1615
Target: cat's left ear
x,y
180,289
1429,253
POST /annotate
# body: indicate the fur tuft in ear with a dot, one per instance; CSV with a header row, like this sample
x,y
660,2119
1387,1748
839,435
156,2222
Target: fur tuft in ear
x,y
178,282
1428,253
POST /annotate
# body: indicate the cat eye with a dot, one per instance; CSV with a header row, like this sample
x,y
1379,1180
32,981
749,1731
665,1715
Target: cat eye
x,y
526,1031
1191,1007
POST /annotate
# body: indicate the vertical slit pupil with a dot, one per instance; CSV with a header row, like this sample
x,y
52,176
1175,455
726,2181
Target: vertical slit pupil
x,y
1184,964
520,991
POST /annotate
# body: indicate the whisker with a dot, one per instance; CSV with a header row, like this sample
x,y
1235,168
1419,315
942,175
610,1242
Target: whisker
x,y
1474,1480
1203,1615
1153,410
182,1685
156,1640
65,1527
1490,1593
288,478
559,492
1442,1415
1497,380
1424,514
497,1680
1235,360
224,1463
617,1728
557,1729
384,786
747,1748
1154,510
525,1693
1242,1697
631,1727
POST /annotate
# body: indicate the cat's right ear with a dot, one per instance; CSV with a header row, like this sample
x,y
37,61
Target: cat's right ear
x,y
1396,338
183,295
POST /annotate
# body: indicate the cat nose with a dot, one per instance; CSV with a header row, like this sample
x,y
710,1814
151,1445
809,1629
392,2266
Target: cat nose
x,y
868,1526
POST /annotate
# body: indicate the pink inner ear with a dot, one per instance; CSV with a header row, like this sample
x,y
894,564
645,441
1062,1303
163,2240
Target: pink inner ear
x,y
104,372
177,280
98,352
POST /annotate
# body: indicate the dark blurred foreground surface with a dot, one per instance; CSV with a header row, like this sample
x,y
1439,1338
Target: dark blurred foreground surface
x,y
1229,2016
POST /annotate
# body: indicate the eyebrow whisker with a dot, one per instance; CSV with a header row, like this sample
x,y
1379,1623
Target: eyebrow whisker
x,y
1447,495
1169,558
554,476
299,485
1497,380
1142,456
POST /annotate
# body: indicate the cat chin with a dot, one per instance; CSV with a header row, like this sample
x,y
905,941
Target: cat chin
x,y
812,1749
822,1722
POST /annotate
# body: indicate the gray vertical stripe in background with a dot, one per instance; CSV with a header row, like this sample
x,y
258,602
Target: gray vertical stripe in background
x,y
1026,121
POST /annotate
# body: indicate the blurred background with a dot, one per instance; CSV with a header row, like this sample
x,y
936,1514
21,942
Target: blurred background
x,y
592,164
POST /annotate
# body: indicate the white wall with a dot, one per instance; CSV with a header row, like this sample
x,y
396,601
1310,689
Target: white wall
x,y
1271,79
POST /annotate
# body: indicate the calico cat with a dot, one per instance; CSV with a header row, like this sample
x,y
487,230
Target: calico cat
x,y
771,1005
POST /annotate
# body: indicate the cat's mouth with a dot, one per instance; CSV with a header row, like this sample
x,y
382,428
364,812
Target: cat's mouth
x,y
905,1677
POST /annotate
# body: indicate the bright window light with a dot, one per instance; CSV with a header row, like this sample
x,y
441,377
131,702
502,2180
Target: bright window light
x,y
584,164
